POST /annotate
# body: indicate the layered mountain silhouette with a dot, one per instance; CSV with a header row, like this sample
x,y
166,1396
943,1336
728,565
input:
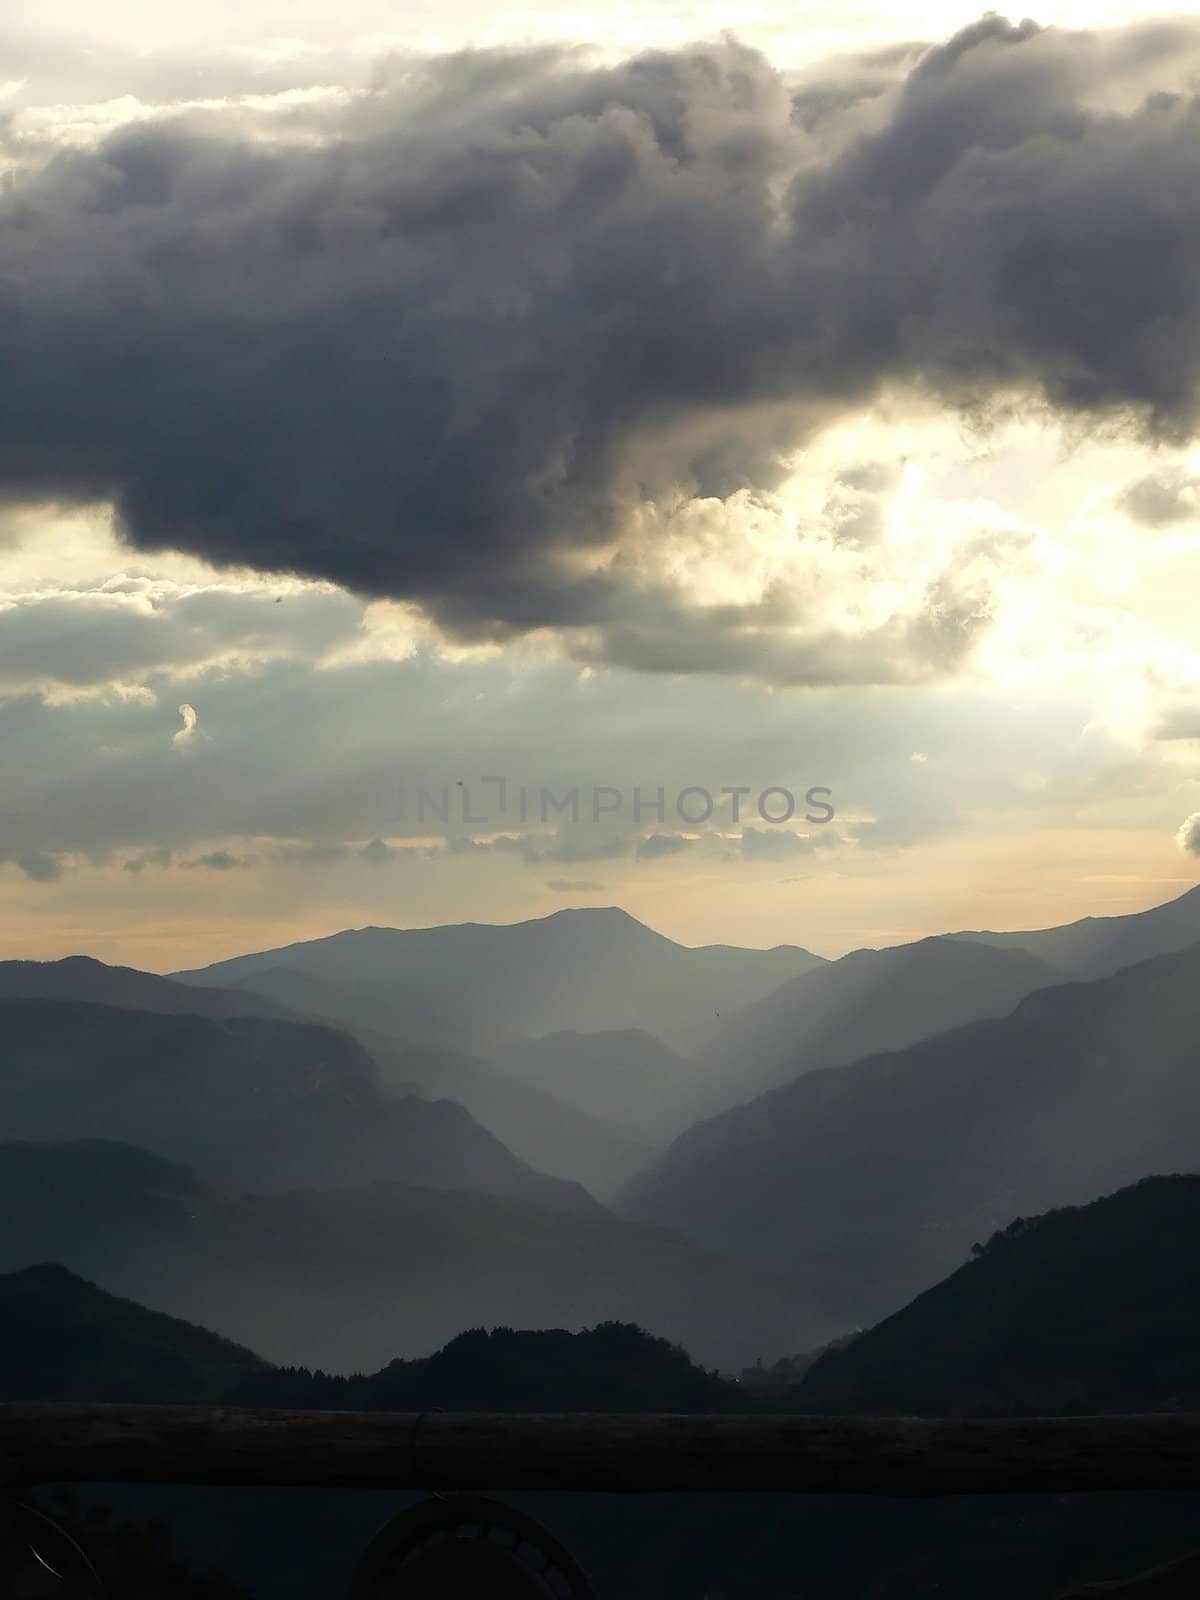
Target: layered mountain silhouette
x,y
253,1102
348,1279
869,1181
479,986
1085,1310
543,1130
868,1000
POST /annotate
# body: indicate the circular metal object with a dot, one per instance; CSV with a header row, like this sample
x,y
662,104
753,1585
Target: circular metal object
x,y
39,1561
466,1547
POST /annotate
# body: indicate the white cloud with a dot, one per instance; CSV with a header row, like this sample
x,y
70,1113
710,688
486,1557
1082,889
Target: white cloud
x,y
190,719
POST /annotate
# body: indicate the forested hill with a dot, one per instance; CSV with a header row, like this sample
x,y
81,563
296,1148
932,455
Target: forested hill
x,y
1085,1309
615,1366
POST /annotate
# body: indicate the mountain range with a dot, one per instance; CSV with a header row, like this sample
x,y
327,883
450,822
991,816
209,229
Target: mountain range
x,y
870,1000
867,1181
480,986
419,1122
255,1103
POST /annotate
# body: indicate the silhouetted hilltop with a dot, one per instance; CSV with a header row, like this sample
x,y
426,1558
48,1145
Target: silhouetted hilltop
x,y
612,1367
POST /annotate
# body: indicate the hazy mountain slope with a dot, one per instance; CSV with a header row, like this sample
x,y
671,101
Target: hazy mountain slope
x,y
542,1129
869,1000
1089,1309
83,978
349,1279
626,1077
62,1338
481,985
1096,947
871,1181
252,1102
539,1127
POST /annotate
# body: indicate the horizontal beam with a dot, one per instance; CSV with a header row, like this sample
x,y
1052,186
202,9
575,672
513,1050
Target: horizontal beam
x,y
580,1451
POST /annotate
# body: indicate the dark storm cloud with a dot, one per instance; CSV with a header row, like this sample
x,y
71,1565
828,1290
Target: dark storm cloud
x,y
510,294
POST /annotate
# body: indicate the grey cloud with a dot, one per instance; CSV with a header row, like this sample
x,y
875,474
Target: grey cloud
x,y
1188,836
567,845
314,760
220,861
511,294
564,844
146,858
378,852
656,845
856,510
40,867
1163,498
313,852
574,886
1180,721
86,637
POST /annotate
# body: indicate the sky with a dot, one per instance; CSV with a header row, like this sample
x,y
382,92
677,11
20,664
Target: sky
x,y
428,434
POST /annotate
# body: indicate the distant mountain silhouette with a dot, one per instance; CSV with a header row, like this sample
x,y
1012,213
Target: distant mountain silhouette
x,y
83,978
868,1000
1096,947
348,1279
62,1338
479,986
870,1181
626,1077
253,1102
1087,1309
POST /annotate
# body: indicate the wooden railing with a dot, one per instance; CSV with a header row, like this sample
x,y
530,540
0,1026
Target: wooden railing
x,y
459,1544
504,1451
